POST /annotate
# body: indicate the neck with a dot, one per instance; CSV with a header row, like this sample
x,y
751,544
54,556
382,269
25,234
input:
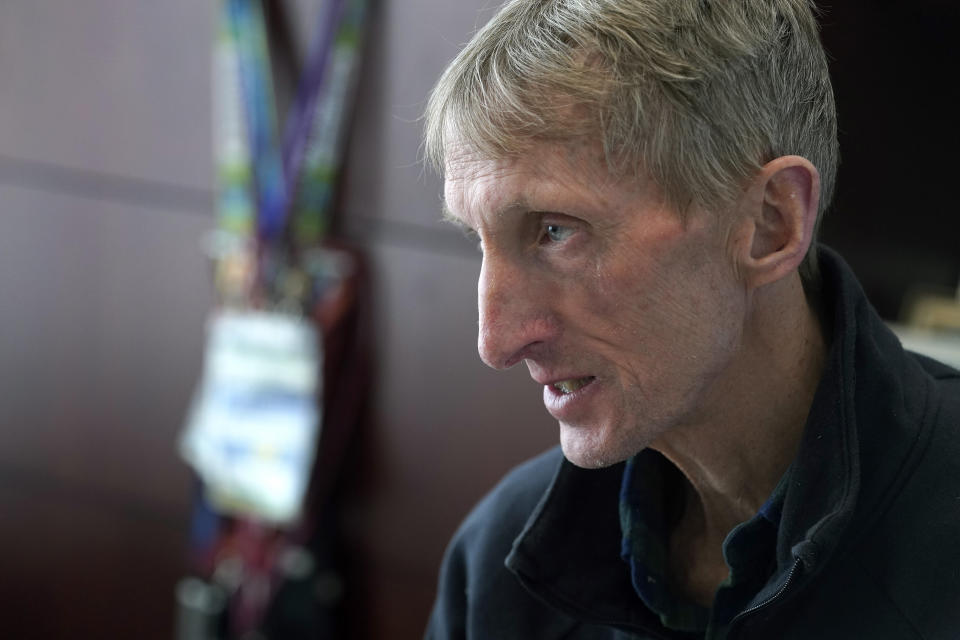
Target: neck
x,y
736,451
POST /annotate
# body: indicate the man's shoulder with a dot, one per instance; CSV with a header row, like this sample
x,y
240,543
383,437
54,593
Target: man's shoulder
x,y
909,548
941,417
936,369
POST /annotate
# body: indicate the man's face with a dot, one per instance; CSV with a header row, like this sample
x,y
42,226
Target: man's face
x,y
627,315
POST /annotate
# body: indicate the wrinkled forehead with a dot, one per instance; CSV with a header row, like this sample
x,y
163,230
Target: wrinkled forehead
x,y
541,176
460,154
475,181
468,169
582,156
482,125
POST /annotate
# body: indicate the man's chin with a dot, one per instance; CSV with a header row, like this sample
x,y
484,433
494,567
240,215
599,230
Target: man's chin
x,y
588,449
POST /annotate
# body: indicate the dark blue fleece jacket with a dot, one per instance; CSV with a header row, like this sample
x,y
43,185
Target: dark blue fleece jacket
x,y
868,545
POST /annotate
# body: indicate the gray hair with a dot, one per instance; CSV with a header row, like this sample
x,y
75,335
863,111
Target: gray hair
x,y
698,93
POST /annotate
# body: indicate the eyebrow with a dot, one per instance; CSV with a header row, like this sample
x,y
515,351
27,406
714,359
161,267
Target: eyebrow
x,y
448,216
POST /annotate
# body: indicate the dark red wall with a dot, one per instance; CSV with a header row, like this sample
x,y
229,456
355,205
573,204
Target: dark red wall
x,y
104,191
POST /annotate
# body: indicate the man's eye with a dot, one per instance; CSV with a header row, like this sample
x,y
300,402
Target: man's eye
x,y
557,233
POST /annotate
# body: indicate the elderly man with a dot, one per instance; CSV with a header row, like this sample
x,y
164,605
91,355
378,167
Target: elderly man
x,y
747,451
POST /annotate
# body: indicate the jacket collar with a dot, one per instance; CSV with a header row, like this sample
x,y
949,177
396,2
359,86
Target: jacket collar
x,y
861,417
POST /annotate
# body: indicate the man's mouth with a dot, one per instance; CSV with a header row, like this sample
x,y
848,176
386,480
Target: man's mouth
x,y
569,386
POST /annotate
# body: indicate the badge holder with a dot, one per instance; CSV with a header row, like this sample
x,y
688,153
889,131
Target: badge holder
x,y
287,355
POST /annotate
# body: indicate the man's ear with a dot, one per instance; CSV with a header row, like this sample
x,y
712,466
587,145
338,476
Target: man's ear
x,y
780,211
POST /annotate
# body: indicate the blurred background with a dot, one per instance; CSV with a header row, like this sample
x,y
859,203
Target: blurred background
x,y
107,191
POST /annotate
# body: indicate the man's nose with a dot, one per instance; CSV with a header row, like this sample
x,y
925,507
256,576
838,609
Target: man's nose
x,y
515,319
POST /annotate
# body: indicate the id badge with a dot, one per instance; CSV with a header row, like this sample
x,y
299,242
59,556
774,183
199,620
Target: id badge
x,y
252,431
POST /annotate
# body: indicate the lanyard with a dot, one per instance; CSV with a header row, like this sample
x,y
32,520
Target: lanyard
x,y
248,29
278,192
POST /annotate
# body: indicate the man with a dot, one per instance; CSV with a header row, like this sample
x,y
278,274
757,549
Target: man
x,y
747,452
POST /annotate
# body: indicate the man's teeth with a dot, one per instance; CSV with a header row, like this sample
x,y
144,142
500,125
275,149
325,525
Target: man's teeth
x,y
569,386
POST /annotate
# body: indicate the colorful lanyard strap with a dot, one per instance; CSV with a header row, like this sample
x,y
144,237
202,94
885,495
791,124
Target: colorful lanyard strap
x,y
278,193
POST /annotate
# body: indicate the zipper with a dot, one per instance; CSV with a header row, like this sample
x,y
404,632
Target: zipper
x,y
776,596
